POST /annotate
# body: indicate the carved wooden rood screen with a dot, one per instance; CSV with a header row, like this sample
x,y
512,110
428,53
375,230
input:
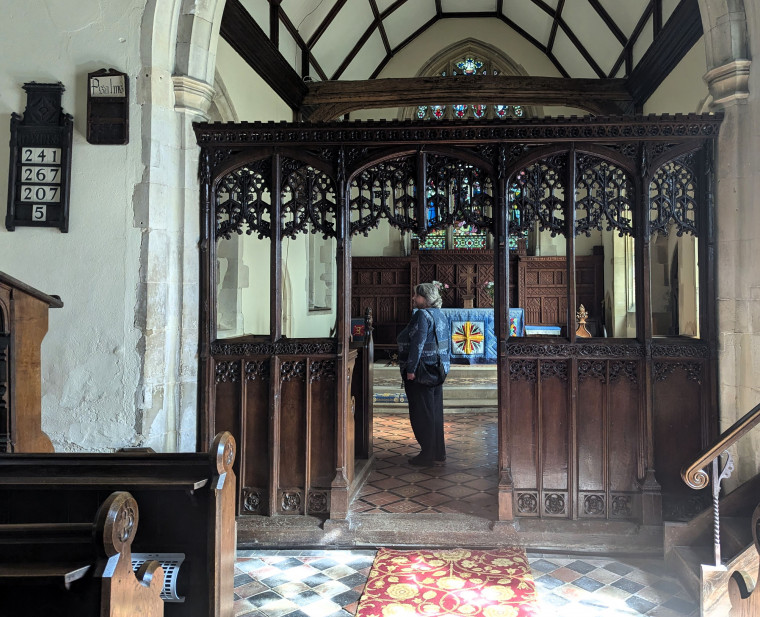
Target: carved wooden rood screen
x,y
586,425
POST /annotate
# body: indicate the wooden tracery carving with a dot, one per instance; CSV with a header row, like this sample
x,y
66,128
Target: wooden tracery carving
x,y
673,197
458,192
538,195
385,190
308,200
243,199
607,193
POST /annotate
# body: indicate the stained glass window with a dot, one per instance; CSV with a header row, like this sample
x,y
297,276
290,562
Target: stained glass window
x,y
468,237
434,240
469,65
514,211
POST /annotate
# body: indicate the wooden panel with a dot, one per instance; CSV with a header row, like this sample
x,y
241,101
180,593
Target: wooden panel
x,y
537,284
255,458
26,313
554,424
591,408
624,423
677,404
523,438
290,442
322,454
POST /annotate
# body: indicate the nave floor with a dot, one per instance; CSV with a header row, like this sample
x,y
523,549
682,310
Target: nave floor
x,y
466,484
328,583
317,583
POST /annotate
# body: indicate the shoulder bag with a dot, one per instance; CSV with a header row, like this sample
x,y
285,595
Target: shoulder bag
x,y
431,374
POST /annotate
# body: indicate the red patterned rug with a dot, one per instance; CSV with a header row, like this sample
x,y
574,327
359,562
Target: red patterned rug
x,y
466,582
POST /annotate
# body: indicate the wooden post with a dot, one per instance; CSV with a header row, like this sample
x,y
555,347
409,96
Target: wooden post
x,y
339,487
501,329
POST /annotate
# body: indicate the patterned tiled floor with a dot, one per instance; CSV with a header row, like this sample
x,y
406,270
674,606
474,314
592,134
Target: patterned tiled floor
x,y
466,484
330,583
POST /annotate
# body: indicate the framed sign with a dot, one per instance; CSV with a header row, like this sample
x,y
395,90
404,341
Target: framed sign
x,y
40,161
107,107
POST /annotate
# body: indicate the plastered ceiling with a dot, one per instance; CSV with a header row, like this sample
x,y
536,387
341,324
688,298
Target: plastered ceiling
x,y
354,39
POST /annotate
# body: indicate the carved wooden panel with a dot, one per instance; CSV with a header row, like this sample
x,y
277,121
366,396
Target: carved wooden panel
x,y
574,454
537,284
678,410
542,288
289,458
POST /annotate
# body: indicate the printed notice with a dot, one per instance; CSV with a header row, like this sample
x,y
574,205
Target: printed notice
x,y
107,86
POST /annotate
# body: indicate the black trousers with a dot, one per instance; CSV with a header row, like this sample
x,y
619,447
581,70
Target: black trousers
x,y
426,417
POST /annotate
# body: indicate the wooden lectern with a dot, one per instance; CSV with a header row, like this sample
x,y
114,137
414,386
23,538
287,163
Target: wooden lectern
x,y
23,324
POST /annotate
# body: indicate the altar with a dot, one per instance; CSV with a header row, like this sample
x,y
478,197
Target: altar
x,y
472,336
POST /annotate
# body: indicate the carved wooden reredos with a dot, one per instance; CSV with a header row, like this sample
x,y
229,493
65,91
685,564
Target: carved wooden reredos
x,y
635,176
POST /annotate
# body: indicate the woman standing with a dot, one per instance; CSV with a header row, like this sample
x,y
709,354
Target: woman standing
x,y
417,344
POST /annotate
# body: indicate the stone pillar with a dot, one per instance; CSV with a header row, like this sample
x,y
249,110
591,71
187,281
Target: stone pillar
x,y
166,209
738,232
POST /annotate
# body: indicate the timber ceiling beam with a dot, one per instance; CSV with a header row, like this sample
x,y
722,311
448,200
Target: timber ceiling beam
x,y
332,99
682,30
246,37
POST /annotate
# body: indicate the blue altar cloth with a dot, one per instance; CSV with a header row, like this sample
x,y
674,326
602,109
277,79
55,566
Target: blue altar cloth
x,y
471,333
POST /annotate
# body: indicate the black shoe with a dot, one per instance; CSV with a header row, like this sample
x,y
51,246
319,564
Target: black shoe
x,y
440,463
419,461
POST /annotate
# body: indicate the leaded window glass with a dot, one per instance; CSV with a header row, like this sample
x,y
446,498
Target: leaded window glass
x,y
468,65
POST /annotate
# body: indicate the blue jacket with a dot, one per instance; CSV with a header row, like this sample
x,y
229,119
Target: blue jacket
x,y
416,342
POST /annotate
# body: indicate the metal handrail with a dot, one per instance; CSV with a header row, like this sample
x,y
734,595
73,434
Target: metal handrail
x,y
694,474
696,477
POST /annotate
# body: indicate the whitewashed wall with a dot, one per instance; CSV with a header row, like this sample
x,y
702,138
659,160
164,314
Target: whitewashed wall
x,y
90,357
683,91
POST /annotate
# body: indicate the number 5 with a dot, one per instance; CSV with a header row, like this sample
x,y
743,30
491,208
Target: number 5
x,y
39,212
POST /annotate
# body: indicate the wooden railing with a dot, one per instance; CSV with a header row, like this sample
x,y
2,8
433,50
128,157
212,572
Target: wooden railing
x,y
697,478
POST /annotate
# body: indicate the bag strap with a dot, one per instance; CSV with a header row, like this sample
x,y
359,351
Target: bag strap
x,y
435,334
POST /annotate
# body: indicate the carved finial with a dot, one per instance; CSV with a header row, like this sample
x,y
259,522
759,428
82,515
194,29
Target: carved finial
x,y
582,316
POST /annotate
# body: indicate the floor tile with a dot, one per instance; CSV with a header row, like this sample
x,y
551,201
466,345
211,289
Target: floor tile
x,y
589,584
627,585
640,604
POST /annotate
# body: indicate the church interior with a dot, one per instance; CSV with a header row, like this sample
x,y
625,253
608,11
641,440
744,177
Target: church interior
x,y
218,213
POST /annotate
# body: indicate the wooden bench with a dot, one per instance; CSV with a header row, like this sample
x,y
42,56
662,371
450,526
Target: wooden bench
x,y
187,505
78,569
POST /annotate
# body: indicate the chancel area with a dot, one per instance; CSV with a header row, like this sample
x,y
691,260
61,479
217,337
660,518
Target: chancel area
x,y
213,307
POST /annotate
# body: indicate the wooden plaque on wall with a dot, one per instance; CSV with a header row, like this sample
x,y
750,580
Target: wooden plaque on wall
x,y
107,107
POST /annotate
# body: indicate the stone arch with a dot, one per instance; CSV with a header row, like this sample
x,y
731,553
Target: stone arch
x,y
178,55
724,23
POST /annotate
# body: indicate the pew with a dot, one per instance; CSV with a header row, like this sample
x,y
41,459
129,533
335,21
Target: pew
x,y
78,569
187,505
23,325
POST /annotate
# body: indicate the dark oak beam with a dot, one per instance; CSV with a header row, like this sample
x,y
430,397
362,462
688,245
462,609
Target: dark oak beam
x,y
245,36
403,43
555,24
332,99
356,49
677,37
657,17
274,22
627,54
611,24
381,25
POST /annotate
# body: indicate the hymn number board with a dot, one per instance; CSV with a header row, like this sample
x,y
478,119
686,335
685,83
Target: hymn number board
x,y
40,161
